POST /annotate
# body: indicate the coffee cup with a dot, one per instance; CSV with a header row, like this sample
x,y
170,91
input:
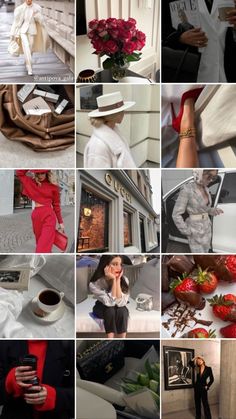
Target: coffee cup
x,y
49,299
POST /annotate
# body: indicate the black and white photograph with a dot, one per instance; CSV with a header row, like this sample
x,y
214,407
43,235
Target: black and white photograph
x,y
15,279
177,371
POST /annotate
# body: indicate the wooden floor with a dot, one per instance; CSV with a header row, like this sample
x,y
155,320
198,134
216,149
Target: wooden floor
x,y
47,68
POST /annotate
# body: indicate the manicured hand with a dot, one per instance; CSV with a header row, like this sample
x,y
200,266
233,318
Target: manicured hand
x,y
23,374
62,228
194,37
36,398
218,211
231,16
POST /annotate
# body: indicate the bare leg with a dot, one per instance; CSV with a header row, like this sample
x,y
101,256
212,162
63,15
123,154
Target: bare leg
x,y
110,335
121,335
187,153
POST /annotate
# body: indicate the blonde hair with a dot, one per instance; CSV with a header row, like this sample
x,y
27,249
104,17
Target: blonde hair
x,y
102,120
50,176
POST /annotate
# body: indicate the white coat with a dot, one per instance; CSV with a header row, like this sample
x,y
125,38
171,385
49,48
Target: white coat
x,y
33,25
107,149
211,67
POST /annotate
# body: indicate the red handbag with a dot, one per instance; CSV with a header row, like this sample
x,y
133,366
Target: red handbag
x,y
61,240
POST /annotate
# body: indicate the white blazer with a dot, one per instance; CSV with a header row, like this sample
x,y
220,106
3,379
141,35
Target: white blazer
x,y
107,149
34,25
211,67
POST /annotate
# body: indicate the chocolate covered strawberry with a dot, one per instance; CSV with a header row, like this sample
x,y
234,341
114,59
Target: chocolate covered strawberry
x,y
224,307
186,290
201,333
230,265
206,280
229,331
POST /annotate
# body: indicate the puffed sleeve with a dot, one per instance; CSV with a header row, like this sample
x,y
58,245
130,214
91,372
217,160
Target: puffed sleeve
x,y
102,295
26,181
120,302
179,210
57,204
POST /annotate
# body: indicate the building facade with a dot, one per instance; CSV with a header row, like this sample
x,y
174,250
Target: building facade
x,y
114,212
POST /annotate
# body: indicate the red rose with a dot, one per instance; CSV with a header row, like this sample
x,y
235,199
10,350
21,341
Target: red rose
x,y
93,24
101,25
114,33
110,47
130,23
139,45
112,23
140,36
124,35
98,45
103,33
129,47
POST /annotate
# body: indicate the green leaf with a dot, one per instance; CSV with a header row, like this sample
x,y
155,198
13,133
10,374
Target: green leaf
x,y
133,57
108,63
149,369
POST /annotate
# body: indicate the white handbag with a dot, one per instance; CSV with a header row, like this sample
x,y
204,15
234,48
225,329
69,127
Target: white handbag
x,y
14,48
144,302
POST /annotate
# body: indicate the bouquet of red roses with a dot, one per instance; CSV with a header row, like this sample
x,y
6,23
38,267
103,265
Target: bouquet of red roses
x,y
117,38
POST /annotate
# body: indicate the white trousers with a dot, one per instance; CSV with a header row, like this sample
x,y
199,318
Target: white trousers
x,y
27,41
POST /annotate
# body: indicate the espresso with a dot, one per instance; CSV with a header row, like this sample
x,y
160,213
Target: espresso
x,y
49,298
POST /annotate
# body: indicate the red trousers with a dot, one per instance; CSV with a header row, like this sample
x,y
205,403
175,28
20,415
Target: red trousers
x,y
44,227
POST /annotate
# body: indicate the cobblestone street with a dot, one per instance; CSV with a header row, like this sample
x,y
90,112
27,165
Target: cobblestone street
x,y
16,235
47,68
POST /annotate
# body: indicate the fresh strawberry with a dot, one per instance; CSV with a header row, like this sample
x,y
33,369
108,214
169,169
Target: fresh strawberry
x,y
187,290
224,307
230,264
201,333
229,331
207,281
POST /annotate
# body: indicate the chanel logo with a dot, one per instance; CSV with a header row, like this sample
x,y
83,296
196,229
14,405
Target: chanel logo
x,y
109,367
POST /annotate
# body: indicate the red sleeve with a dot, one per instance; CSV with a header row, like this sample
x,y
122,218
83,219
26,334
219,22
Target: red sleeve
x,y
25,180
57,205
50,401
11,385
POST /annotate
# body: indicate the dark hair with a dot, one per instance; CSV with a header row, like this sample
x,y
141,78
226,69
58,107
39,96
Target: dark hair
x,y
105,260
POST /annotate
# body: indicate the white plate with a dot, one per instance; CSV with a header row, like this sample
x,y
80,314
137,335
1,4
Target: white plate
x,y
205,314
51,317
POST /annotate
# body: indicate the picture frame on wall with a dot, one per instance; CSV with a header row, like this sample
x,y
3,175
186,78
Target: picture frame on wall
x,y
15,279
177,373
88,96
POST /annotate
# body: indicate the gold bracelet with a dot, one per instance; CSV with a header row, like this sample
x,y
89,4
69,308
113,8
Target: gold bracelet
x,y
190,132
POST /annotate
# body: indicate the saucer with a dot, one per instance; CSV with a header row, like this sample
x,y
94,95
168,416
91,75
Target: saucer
x,y
50,317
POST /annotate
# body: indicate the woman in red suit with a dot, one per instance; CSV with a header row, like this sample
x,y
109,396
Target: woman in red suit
x,y
47,211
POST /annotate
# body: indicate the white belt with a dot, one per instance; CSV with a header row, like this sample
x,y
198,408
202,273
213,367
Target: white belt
x,y
203,216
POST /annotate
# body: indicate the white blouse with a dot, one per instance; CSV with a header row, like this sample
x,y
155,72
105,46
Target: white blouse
x,y
99,289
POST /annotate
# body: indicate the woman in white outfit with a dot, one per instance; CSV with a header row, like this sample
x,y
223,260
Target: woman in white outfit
x,y
107,148
28,29
209,39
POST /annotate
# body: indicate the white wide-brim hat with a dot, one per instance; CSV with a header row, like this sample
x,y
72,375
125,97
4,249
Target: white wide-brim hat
x,y
110,104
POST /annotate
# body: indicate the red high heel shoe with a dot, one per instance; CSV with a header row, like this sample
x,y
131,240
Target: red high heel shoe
x,y
176,120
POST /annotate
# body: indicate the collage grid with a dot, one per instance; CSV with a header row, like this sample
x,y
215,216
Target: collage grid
x,y
117,209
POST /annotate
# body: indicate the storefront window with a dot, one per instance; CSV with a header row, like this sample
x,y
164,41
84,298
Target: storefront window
x,y
127,229
93,223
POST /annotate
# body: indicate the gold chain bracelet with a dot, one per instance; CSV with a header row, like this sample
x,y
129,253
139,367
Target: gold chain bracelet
x,y
190,132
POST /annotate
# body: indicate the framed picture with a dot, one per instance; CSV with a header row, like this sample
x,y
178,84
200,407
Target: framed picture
x,y
88,96
177,372
15,279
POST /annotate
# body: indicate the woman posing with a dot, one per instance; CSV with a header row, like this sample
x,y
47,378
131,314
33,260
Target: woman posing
x,y
202,384
47,211
29,31
195,199
111,289
107,148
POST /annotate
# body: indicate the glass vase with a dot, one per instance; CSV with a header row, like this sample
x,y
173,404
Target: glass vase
x,y
118,71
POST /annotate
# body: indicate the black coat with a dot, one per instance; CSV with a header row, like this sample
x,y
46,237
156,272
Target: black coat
x,y
204,380
170,37
58,372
